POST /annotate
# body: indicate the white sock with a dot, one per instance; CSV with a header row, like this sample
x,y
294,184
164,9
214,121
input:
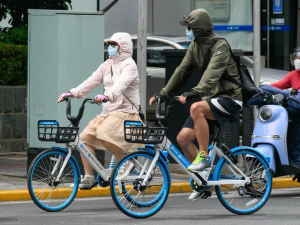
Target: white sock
x,y
90,177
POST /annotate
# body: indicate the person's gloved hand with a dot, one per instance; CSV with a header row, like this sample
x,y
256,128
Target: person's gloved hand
x,y
155,97
187,96
63,96
101,98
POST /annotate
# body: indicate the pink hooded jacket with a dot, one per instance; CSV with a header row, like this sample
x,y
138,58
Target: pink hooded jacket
x,y
120,78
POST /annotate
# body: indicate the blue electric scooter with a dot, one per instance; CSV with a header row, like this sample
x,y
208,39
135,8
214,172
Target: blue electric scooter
x,y
270,135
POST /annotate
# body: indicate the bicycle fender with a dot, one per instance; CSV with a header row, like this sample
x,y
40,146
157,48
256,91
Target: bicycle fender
x,y
72,158
161,158
217,168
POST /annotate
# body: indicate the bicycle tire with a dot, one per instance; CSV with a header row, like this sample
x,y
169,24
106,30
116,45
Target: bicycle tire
x,y
136,200
251,197
46,193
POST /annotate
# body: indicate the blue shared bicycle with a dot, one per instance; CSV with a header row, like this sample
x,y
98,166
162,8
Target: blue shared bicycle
x,y
140,182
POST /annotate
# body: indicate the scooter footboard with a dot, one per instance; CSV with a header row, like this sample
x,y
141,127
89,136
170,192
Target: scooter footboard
x,y
268,151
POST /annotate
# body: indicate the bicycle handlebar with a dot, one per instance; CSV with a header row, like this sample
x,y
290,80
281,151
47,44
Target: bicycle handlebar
x,y
75,119
167,114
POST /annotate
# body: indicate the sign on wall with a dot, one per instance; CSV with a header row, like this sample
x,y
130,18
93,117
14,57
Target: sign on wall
x,y
219,10
277,6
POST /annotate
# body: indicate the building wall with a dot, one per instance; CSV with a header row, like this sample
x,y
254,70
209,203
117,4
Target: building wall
x,y
13,118
163,16
77,5
86,5
122,17
166,15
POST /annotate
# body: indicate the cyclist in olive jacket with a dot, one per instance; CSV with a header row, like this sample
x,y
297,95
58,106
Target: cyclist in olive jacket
x,y
221,100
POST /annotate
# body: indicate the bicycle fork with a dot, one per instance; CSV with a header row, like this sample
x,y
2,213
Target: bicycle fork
x,y
144,170
58,162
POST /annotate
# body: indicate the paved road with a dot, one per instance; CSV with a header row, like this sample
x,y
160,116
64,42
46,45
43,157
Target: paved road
x,y
282,208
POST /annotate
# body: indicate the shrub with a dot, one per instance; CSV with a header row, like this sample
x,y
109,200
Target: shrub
x,y
14,35
13,64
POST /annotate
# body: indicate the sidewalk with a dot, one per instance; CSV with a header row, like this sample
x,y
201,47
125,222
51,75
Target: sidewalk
x,y
13,182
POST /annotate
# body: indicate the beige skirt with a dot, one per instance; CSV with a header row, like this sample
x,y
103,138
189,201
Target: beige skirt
x,y
109,128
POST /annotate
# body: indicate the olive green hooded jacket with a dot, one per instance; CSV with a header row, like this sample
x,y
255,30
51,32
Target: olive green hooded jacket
x,y
211,84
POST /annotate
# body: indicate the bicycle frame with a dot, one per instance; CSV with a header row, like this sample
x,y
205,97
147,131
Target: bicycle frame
x,y
201,178
79,145
92,160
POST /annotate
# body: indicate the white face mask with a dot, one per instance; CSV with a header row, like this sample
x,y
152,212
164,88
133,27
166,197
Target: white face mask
x,y
297,64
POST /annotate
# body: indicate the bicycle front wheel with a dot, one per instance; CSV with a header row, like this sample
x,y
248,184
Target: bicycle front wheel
x,y
131,195
251,197
46,191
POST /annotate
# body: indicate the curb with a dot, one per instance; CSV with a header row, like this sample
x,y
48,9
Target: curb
x,y
177,187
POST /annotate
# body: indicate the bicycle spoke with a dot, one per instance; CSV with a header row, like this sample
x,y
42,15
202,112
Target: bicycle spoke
x,y
140,198
45,188
252,196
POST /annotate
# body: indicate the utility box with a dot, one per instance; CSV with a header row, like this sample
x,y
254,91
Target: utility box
x,y
64,49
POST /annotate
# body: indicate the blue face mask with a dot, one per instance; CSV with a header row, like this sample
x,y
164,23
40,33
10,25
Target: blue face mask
x,y
189,34
112,51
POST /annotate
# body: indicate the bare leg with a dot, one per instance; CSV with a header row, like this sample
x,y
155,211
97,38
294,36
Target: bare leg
x,y
115,150
185,139
88,169
199,112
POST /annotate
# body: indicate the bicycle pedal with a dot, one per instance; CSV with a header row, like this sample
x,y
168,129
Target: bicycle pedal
x,y
206,194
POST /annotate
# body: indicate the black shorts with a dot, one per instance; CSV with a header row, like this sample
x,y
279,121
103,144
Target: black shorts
x,y
223,109
189,123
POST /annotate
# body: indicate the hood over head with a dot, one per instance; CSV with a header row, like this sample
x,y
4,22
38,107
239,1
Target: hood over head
x,y
125,42
201,22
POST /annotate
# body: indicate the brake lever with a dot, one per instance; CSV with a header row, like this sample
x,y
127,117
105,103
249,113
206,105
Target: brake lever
x,y
97,103
65,99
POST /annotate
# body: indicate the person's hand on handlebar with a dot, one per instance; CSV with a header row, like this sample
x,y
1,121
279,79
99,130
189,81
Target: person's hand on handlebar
x,y
155,97
101,98
63,96
187,96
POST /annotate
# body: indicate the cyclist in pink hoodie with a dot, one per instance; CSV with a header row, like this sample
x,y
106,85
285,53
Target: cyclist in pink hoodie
x,y
121,102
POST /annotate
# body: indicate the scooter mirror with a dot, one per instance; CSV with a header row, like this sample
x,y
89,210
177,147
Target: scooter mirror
x,y
278,99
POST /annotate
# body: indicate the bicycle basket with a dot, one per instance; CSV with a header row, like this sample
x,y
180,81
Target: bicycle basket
x,y
135,132
49,130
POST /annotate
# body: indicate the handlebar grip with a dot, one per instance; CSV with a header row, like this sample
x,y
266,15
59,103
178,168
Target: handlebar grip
x,y
168,110
158,110
68,111
294,100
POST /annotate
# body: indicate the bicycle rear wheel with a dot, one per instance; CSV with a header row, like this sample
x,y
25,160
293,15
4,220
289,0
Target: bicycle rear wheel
x,y
250,198
45,191
130,195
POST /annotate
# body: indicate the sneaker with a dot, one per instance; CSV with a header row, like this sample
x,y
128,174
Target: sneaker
x,y
126,169
200,163
195,196
86,183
